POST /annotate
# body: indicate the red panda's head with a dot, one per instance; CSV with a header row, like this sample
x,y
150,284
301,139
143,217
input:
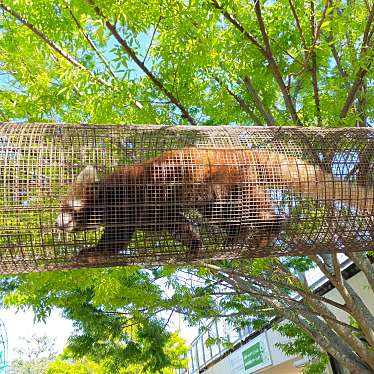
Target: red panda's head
x,y
79,210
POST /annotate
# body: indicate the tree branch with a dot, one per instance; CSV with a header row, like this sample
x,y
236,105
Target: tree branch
x,y
313,56
92,45
310,306
131,53
304,293
312,311
316,31
298,86
53,45
258,102
366,50
291,307
362,261
274,66
240,101
238,26
272,290
325,337
329,38
360,107
266,52
357,309
298,24
152,38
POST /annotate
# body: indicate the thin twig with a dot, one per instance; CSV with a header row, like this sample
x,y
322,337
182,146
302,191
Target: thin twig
x,y
238,26
240,101
329,38
366,49
313,69
131,53
316,32
274,66
265,51
53,45
168,320
298,24
152,38
93,46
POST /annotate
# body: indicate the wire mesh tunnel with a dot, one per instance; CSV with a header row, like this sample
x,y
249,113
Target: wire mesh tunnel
x,y
103,195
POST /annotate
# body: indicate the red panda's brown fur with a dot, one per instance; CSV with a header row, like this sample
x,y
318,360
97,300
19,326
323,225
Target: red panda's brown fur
x,y
228,186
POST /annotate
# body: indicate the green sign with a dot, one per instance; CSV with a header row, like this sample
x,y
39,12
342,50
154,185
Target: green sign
x,y
254,355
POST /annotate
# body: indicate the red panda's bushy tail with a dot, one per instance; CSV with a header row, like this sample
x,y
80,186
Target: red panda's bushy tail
x,y
311,181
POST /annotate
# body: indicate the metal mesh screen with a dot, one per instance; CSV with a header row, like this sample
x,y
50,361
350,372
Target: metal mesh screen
x,y
102,195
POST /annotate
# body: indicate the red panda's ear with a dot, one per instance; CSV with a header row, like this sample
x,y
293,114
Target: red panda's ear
x,y
87,175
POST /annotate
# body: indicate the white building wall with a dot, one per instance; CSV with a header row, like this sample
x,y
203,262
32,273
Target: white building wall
x,y
232,364
277,356
222,367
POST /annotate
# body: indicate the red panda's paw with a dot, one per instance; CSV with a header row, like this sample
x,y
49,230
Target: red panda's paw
x,y
91,256
194,248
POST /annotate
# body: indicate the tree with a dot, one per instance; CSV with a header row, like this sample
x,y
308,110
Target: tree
x,y
188,62
83,366
175,348
34,354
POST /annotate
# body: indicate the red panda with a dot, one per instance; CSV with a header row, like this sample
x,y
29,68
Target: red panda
x,y
227,186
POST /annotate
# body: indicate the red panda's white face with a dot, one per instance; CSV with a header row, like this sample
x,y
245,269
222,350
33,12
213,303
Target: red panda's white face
x,y
78,210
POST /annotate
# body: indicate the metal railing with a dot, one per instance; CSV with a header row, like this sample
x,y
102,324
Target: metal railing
x,y
200,355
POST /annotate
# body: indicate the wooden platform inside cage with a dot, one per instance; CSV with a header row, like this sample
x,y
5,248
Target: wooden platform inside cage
x,y
104,195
